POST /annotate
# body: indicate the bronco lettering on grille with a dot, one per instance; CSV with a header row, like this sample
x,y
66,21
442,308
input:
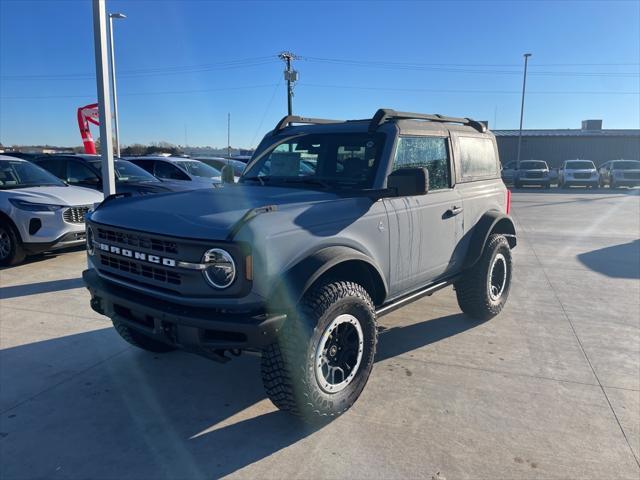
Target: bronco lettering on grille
x,y
141,256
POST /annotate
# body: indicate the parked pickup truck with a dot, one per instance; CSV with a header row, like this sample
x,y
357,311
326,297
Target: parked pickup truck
x,y
332,225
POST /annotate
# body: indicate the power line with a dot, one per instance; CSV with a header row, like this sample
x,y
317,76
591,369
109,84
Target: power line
x,y
461,68
156,71
432,90
349,87
136,94
469,68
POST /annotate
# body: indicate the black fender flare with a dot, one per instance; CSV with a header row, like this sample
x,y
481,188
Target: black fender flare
x,y
492,221
299,278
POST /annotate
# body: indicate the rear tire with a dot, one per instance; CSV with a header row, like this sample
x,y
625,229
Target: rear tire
x,y
483,291
325,353
11,251
141,341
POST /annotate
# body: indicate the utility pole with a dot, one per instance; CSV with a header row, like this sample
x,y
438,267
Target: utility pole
x,y
104,95
524,86
291,76
228,135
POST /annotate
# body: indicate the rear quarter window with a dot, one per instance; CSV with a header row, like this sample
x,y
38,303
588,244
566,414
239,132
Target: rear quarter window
x,y
478,158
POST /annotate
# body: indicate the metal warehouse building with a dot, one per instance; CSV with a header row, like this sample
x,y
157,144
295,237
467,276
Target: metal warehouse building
x,y
591,142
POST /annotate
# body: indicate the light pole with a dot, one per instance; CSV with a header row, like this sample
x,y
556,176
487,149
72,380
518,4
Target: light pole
x,y
104,95
524,86
117,16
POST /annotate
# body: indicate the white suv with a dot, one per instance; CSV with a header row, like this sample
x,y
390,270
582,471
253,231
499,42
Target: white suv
x,y
38,212
578,172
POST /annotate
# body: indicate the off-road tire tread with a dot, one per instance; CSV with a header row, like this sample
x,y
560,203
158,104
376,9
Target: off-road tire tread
x,y
471,289
283,364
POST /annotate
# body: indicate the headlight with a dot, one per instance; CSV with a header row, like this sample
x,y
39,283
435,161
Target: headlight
x,y
34,207
221,269
90,246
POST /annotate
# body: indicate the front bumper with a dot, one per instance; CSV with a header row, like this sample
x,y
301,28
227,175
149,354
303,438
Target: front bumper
x,y
196,329
626,182
70,239
580,182
534,181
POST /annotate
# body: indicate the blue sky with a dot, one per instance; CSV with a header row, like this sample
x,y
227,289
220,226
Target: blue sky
x,y
182,65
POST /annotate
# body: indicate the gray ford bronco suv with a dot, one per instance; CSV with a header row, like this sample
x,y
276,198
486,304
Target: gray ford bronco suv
x,y
332,224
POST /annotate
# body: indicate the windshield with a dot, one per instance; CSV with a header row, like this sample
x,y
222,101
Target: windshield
x,y
533,165
127,172
581,165
320,159
21,174
199,169
626,165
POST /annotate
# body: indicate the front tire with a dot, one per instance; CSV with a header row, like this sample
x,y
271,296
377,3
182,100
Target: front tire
x,y
483,291
11,251
325,353
139,340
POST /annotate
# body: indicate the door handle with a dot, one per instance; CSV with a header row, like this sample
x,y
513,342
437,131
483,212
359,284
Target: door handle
x,y
453,211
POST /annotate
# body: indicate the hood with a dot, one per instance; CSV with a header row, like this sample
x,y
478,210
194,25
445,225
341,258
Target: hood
x,y
142,187
53,195
580,170
202,214
180,186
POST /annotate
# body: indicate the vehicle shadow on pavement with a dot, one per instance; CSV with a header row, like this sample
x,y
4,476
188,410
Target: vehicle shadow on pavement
x,y
396,341
24,290
45,256
617,261
134,414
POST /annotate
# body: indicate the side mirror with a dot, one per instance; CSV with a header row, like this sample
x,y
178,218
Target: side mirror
x,y
408,182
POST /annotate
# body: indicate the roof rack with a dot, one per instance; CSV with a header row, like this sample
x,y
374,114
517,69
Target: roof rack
x,y
385,114
289,119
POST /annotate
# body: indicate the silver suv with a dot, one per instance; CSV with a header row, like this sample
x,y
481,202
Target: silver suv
x,y
578,173
332,225
38,212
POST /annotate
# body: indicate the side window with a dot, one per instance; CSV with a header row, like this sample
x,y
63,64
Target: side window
x,y
79,173
145,165
57,166
292,159
477,157
429,152
168,171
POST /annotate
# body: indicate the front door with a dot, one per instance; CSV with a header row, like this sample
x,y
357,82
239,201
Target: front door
x,y
424,229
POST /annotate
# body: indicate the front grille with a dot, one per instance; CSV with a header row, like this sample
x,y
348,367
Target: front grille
x,y
140,270
632,175
137,241
75,214
582,175
534,174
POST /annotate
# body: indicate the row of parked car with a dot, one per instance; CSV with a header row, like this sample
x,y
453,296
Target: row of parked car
x,y
43,199
614,173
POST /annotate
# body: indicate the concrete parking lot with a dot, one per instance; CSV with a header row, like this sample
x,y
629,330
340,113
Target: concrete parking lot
x,y
548,389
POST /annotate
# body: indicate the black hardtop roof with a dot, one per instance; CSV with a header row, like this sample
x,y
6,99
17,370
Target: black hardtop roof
x,y
382,116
